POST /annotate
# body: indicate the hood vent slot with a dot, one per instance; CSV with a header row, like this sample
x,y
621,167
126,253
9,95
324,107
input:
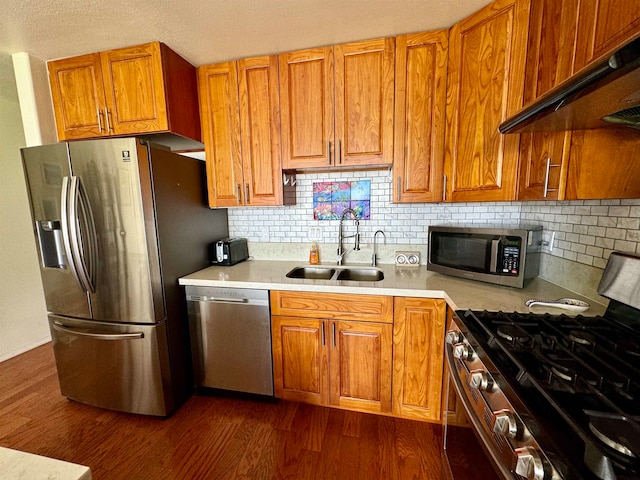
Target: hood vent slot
x,y
629,117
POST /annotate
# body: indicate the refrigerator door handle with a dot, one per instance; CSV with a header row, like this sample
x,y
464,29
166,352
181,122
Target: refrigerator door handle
x,y
77,220
98,336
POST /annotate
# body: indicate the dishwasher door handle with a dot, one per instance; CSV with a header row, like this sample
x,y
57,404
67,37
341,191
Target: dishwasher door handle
x,y
204,298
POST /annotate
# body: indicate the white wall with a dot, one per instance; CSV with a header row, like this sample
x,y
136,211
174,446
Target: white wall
x,y
23,320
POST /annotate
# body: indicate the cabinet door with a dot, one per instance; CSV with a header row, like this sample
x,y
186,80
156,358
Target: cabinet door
x,y
603,163
134,90
421,90
418,342
218,92
364,76
543,155
360,365
603,26
300,359
307,107
78,97
486,72
260,127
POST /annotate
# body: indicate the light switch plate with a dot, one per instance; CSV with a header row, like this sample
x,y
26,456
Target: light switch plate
x,y
407,259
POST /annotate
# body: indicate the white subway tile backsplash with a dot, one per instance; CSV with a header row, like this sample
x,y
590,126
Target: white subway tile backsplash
x,y
587,231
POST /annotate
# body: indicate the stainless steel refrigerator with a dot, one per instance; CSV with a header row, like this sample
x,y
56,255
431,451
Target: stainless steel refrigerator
x,y
117,221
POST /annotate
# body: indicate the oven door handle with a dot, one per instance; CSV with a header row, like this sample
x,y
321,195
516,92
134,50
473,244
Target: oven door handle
x,y
475,420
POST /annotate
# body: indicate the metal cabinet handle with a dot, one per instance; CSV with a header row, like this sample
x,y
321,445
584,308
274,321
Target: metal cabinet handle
x,y
329,152
99,115
246,194
106,116
444,189
238,194
399,188
546,177
333,334
339,152
324,342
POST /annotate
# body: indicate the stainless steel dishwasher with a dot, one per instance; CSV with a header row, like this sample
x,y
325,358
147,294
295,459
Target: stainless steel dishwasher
x,y
231,339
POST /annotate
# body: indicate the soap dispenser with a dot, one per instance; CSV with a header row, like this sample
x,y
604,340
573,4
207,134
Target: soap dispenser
x,y
314,254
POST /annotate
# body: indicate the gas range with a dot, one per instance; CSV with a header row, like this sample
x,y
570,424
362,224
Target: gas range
x,y
556,396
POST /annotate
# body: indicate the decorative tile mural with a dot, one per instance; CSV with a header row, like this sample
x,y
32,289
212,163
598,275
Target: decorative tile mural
x,y
330,199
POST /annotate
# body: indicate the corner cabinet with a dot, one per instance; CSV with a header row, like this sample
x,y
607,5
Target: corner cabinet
x,y
135,90
333,349
486,72
337,105
239,108
418,343
421,91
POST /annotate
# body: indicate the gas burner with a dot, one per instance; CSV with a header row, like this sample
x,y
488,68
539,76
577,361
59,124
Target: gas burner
x,y
582,338
513,334
617,432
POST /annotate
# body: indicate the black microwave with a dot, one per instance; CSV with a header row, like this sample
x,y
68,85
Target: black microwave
x,y
506,255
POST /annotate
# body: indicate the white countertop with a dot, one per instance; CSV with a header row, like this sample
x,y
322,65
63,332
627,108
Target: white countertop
x,y
405,282
17,465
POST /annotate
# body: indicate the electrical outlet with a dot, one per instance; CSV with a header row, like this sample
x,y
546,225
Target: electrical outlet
x,y
548,238
315,233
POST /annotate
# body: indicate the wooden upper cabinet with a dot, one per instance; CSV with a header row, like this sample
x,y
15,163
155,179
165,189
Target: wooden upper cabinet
x,y
134,89
142,89
307,107
603,26
418,345
603,163
485,86
260,127
364,79
220,116
337,105
78,96
550,58
421,90
241,132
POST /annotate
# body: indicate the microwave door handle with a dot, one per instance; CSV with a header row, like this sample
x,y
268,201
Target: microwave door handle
x,y
495,250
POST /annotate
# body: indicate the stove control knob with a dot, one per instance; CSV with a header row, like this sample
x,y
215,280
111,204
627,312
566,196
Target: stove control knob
x,y
481,381
463,352
529,464
506,424
453,337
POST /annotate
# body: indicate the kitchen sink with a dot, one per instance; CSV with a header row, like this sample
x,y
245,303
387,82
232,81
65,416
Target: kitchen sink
x,y
312,273
360,274
355,274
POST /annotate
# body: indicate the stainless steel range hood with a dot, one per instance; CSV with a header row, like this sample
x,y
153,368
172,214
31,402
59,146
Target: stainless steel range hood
x,y
606,94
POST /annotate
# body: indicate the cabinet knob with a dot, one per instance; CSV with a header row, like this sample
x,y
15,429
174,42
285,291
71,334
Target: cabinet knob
x,y
529,464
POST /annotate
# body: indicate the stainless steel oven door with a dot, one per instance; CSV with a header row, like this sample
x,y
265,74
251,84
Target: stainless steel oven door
x,y
466,454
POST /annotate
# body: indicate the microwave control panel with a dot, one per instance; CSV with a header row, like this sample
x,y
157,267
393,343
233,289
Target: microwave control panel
x,y
511,256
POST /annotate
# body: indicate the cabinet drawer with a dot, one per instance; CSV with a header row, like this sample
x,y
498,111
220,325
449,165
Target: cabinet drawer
x,y
365,308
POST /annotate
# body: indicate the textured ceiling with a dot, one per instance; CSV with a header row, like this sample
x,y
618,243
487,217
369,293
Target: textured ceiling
x,y
214,30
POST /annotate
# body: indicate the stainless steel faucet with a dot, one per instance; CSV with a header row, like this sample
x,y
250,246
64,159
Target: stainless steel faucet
x,y
341,236
374,257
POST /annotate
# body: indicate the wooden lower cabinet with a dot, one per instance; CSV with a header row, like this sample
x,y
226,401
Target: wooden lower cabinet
x,y
331,362
418,356
335,358
368,360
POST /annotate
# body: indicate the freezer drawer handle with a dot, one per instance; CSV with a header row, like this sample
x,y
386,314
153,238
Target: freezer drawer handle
x,y
98,336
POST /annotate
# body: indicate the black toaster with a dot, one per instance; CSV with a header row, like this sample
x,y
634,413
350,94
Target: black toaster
x,y
228,251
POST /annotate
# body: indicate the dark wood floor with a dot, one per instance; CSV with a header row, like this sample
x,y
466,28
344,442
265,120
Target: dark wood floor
x,y
208,437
